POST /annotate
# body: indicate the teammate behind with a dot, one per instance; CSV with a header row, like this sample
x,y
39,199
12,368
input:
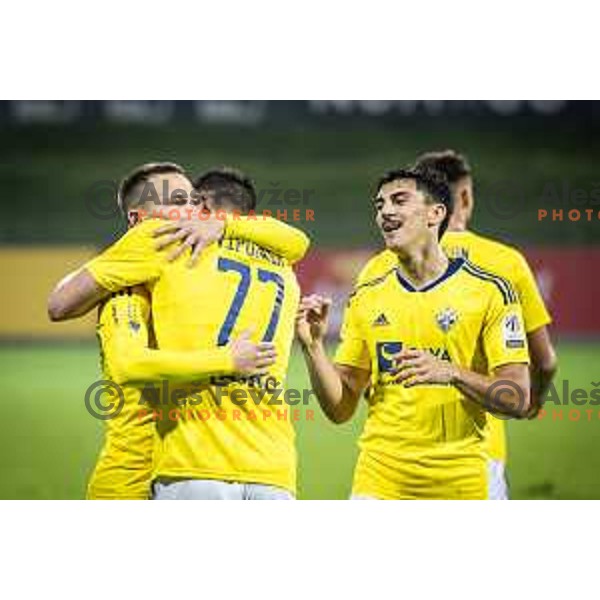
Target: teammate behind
x,y
440,341
503,260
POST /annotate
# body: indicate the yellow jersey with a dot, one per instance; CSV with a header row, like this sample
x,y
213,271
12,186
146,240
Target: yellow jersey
x,y
502,260
210,432
124,467
427,441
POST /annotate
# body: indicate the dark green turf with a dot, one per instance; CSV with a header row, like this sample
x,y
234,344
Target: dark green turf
x,y
48,442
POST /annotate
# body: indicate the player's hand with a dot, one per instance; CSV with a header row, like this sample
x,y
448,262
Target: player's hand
x,y
312,319
250,358
536,403
194,233
416,367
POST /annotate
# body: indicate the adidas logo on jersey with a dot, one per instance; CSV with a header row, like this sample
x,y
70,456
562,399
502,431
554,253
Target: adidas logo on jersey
x,y
381,320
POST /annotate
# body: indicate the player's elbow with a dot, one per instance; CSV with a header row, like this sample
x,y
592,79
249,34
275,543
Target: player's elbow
x,y
299,248
57,309
339,413
338,417
303,244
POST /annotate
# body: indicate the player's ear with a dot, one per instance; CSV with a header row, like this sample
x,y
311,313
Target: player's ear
x,y
465,201
437,213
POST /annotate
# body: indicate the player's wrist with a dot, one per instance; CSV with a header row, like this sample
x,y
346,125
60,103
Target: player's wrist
x,y
454,374
313,346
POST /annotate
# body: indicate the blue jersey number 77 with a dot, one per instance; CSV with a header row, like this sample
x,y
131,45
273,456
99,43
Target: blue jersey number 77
x,y
264,276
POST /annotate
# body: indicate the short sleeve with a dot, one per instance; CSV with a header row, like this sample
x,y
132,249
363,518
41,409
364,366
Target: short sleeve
x,y
131,260
352,349
504,337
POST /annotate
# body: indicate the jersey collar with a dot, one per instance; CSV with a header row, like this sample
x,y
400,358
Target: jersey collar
x,y
453,266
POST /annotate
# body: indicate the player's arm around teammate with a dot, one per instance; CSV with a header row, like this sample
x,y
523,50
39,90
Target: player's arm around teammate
x,y
80,291
134,362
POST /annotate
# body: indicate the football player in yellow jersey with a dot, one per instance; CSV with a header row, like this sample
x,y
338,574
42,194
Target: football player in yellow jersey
x,y
235,284
502,260
125,465
440,342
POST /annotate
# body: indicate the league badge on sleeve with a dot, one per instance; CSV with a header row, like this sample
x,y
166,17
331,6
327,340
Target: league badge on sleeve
x,y
513,332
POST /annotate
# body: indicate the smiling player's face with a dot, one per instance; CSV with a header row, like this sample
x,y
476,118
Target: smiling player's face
x,y
403,215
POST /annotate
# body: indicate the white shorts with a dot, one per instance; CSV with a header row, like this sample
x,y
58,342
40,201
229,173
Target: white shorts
x,y
213,489
497,486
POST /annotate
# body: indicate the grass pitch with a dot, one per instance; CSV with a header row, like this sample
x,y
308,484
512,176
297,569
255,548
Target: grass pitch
x,y
48,441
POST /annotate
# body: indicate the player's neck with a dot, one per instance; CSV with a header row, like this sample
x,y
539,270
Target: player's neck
x,y
423,264
457,225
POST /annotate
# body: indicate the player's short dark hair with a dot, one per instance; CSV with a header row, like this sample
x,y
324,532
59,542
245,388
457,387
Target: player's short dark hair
x,y
139,175
228,185
432,183
451,164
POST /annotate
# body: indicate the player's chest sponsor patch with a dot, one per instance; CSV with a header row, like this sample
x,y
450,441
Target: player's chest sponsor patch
x,y
387,360
386,355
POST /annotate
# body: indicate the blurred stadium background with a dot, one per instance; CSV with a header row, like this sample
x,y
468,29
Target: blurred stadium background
x,y
60,161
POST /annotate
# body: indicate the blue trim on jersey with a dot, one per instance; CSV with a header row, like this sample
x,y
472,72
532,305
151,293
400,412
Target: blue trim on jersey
x,y
508,294
501,281
453,266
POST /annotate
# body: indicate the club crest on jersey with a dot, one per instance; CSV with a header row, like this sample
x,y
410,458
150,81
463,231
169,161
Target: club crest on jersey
x,y
446,319
134,325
